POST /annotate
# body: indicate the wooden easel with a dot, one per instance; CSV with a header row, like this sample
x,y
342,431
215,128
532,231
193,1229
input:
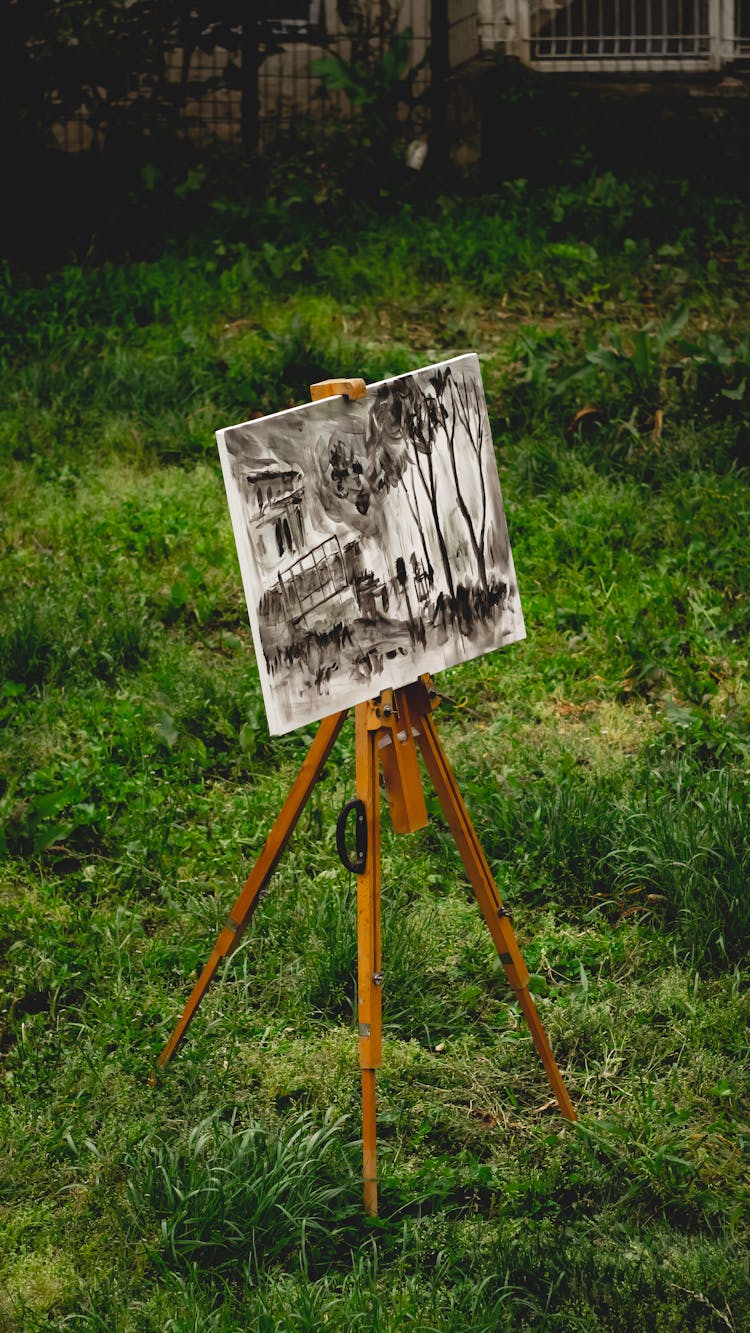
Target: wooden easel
x,y
387,732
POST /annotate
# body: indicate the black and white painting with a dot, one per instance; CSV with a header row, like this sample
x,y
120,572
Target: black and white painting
x,y
372,540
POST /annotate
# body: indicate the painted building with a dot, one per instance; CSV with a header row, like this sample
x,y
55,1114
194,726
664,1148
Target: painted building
x,y
273,498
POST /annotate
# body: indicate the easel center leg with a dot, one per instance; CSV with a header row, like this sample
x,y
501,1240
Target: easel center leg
x,y
369,975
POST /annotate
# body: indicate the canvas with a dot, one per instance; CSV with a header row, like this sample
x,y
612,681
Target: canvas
x,y
372,540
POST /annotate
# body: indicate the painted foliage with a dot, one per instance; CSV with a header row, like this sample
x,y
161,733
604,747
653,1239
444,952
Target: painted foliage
x,y
372,540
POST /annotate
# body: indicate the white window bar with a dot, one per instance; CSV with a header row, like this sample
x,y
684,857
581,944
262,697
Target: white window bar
x,y
626,35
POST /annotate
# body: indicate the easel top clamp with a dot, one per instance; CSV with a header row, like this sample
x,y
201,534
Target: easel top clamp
x,y
387,732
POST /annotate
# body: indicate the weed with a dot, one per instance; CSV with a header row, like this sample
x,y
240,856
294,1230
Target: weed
x,y
686,851
241,1194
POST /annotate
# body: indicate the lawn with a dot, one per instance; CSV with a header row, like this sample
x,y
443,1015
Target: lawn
x,y
604,762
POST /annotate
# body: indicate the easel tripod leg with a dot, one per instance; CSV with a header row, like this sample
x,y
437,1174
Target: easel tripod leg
x,y
489,900
369,1142
369,976
269,858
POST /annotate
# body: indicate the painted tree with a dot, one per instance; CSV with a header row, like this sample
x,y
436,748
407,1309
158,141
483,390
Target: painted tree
x,y
407,423
467,410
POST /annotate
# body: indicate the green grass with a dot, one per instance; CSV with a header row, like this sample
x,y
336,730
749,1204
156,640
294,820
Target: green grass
x,y
604,762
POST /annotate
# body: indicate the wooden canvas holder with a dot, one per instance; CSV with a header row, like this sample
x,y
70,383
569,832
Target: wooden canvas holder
x,y
387,732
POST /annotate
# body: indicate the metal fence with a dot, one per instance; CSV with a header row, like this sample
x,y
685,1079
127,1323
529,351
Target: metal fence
x,y
268,81
365,36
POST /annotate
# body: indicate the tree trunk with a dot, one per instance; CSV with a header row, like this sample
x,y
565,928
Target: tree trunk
x,y
439,72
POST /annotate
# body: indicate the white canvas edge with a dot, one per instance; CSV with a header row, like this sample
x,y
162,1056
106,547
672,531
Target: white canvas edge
x,y
390,379
245,558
